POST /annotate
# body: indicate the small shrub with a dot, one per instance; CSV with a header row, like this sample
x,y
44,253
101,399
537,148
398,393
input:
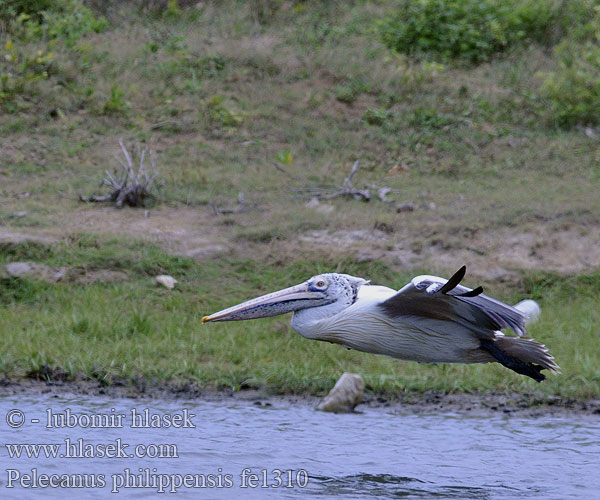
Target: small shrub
x,y
172,11
211,65
574,88
349,91
346,94
20,69
470,30
10,9
68,20
219,115
285,157
376,116
116,101
428,118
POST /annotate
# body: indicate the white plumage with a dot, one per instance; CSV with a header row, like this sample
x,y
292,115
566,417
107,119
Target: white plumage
x,y
431,319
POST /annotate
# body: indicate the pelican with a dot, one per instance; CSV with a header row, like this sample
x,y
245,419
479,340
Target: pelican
x,y
431,320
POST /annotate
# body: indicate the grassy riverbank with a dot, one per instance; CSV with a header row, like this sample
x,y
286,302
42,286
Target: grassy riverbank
x,y
252,108
132,329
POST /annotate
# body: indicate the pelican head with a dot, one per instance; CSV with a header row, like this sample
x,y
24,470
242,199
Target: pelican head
x,y
320,290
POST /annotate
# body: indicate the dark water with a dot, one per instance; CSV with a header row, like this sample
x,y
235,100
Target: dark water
x,y
376,454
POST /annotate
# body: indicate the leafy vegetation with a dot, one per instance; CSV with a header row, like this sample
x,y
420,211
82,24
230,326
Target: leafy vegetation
x,y
21,70
67,20
472,30
574,87
38,34
475,31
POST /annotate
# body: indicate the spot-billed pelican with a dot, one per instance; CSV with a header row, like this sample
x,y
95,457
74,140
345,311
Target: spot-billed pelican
x,y
429,320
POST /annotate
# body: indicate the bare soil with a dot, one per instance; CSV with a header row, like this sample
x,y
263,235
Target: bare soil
x,y
493,254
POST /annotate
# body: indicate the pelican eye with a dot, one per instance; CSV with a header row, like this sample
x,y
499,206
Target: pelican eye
x,y
321,284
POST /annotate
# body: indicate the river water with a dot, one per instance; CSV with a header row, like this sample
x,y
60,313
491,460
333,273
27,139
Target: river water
x,y
237,449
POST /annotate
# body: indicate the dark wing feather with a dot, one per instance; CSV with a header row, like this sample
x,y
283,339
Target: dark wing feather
x,y
435,298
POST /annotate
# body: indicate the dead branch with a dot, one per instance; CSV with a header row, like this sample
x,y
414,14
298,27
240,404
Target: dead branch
x,y
129,186
383,191
241,207
347,189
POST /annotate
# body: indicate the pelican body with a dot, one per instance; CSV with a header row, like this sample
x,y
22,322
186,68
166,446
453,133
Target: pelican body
x,y
431,319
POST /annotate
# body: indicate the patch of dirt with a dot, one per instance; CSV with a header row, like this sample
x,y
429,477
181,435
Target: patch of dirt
x,y
52,274
497,255
192,232
14,237
40,271
98,276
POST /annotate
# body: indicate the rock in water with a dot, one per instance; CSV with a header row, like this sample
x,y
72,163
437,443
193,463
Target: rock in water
x,y
166,281
345,395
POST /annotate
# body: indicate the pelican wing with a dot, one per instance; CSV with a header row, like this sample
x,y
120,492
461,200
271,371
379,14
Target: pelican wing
x,y
436,298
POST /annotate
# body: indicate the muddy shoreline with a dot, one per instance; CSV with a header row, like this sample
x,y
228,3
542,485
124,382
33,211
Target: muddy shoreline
x,y
493,403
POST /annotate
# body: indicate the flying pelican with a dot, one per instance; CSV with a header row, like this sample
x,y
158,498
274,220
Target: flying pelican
x,y
429,320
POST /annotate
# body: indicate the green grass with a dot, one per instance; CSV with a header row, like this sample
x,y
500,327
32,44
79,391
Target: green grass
x,y
135,329
267,99
219,97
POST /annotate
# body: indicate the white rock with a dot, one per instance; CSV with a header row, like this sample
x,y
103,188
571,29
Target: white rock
x,y
345,395
17,269
312,203
325,208
166,281
33,269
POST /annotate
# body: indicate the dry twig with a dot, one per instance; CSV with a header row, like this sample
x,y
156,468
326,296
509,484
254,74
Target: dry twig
x,y
241,207
347,189
129,186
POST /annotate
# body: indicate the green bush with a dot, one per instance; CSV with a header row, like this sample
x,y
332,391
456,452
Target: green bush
x,y
42,19
20,69
10,9
573,89
470,30
34,34
68,20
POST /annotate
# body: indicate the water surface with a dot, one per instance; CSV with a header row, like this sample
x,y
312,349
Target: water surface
x,y
374,454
